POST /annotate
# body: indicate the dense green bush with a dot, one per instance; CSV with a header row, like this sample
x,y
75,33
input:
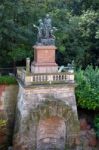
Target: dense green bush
x,y
87,90
7,80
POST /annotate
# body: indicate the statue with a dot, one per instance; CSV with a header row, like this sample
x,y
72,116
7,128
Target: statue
x,y
45,34
48,26
40,30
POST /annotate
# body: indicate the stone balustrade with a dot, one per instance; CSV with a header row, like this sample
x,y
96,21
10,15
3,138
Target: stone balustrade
x,y
44,78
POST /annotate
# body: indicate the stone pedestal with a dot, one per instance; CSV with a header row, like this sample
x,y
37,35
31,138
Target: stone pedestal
x,y
44,60
46,107
46,117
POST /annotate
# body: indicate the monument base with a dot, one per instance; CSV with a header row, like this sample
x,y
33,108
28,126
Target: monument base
x,y
44,68
46,118
44,60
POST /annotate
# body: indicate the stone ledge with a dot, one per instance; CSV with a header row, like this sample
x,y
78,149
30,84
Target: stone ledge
x,y
49,47
46,84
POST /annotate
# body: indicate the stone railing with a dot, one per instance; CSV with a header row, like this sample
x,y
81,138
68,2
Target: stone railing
x,y
44,78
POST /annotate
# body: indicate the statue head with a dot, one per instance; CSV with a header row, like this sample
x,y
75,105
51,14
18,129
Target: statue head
x,y
40,21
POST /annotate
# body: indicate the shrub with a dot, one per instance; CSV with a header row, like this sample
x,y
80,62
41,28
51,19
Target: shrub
x,y
87,90
7,80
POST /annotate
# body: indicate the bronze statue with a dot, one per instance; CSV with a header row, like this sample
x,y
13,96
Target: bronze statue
x,y
40,30
48,26
45,34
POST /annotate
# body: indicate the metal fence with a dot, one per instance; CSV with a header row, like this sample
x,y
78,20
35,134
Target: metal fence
x,y
8,71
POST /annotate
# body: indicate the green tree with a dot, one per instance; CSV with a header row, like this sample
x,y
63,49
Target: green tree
x,y
77,23
14,32
87,90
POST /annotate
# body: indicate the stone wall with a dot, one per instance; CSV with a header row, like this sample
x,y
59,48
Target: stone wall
x,y
51,133
2,89
8,99
42,102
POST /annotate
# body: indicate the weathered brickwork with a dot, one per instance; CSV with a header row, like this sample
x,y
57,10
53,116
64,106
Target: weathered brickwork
x,y
51,133
43,102
44,60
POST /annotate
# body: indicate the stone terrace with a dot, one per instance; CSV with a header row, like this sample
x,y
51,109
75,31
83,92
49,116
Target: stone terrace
x,y
29,78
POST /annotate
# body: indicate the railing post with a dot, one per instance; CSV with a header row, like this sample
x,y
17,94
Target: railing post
x,y
27,65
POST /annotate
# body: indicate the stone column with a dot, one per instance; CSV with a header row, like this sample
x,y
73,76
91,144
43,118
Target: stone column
x,y
27,65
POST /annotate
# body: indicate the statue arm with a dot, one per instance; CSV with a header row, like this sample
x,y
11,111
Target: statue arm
x,y
55,29
35,26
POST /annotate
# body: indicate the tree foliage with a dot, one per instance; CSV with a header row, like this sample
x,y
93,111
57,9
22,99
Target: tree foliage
x,y
87,90
77,36
14,31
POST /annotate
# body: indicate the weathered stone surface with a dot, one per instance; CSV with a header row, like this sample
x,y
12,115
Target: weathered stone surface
x,y
2,90
42,102
83,124
3,138
8,99
51,134
87,135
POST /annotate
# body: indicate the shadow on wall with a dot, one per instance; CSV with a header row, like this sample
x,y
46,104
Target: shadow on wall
x,y
8,99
